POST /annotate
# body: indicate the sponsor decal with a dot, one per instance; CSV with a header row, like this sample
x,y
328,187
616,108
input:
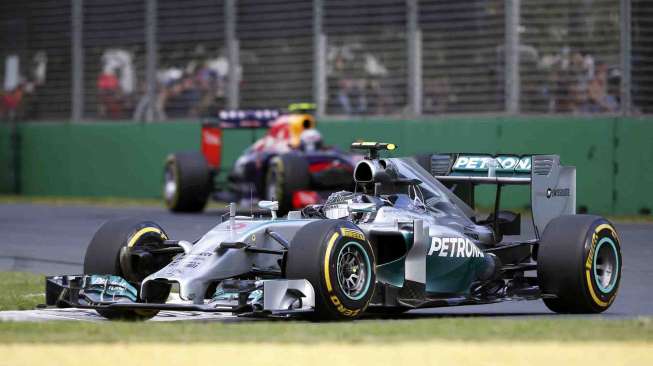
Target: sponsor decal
x,y
327,276
505,163
301,199
454,247
211,138
352,233
558,192
192,264
341,308
237,226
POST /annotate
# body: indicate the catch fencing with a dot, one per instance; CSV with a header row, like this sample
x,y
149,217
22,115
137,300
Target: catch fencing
x,y
157,60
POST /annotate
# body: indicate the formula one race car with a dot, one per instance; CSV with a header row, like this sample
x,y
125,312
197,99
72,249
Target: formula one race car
x,y
401,241
289,164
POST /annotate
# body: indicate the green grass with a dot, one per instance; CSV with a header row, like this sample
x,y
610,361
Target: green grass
x,y
446,328
18,292
93,201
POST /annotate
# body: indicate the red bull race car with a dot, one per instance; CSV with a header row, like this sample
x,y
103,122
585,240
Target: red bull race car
x,y
289,164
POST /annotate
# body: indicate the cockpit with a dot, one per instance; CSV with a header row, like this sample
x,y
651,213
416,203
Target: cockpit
x,y
400,183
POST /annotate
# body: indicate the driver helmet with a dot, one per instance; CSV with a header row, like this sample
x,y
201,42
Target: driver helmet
x,y
310,140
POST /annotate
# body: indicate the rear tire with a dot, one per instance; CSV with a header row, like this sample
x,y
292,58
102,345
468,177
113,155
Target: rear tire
x,y
286,174
188,182
338,261
579,261
103,258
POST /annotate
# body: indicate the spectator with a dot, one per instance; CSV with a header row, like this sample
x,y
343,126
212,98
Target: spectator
x,y
436,95
116,83
10,103
600,100
108,87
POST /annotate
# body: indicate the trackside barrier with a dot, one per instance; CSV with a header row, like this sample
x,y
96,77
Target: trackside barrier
x,y
612,155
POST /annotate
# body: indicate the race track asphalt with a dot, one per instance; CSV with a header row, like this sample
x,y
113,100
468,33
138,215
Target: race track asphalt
x,y
52,240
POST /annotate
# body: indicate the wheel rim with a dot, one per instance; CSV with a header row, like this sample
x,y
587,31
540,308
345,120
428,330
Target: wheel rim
x,y
606,265
170,187
354,270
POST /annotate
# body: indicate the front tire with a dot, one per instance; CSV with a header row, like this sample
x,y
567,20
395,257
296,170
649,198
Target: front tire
x,y
188,183
103,257
338,261
579,261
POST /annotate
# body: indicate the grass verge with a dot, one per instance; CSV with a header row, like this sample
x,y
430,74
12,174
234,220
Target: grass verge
x,y
24,291
92,201
20,291
556,329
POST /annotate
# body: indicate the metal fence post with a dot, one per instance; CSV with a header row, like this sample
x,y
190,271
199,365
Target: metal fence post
x,y
626,56
319,59
512,82
151,58
414,49
231,42
77,50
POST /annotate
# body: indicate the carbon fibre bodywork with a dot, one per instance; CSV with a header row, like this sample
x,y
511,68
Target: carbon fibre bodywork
x,y
429,248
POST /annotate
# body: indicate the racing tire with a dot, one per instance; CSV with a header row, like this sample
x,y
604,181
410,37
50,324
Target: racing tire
x,y
579,261
103,258
338,261
187,182
286,174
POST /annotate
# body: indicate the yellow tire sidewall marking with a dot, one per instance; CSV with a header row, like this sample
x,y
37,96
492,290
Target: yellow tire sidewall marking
x,y
143,231
352,233
590,260
327,255
598,301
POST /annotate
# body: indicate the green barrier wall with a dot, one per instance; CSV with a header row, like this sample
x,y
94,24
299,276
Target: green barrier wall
x,y
634,166
612,155
585,143
118,159
5,165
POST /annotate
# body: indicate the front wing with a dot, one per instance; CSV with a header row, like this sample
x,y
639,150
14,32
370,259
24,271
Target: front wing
x,y
265,297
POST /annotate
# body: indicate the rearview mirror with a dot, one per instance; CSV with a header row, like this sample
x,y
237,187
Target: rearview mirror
x,y
269,205
273,206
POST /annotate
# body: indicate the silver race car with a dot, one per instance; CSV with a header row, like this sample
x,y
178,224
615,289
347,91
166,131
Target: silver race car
x,y
407,238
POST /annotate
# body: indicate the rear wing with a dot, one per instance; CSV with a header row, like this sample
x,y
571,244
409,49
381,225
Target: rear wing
x,y
212,127
240,118
553,186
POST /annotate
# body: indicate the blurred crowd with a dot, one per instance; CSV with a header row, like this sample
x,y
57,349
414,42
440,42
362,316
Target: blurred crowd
x,y
185,88
580,84
360,83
